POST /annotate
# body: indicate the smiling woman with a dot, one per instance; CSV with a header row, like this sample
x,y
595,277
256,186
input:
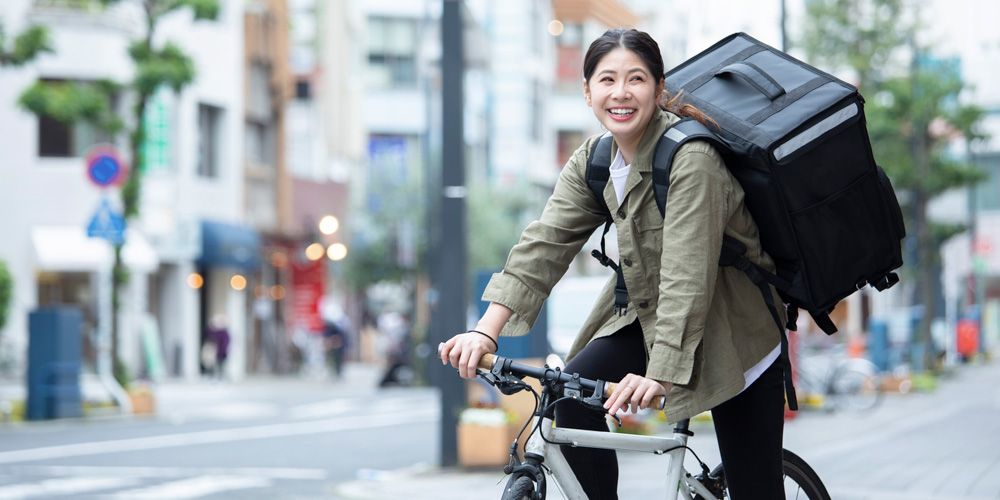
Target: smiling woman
x,y
671,322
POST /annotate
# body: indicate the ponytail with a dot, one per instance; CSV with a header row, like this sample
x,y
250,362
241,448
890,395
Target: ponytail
x,y
675,104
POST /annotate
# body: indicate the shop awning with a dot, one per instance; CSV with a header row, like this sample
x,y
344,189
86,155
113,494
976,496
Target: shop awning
x,y
229,245
69,249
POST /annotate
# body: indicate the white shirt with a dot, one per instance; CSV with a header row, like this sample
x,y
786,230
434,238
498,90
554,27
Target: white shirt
x,y
619,173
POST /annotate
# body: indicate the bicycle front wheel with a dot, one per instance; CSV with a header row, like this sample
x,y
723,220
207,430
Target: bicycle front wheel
x,y
519,488
800,481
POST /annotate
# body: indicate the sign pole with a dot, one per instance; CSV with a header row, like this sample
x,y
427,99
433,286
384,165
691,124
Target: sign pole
x,y
105,169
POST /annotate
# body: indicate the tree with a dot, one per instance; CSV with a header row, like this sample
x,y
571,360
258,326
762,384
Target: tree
x,y
28,45
913,114
6,293
155,67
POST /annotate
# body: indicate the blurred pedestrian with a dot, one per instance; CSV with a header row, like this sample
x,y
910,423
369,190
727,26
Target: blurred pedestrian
x,y
216,346
685,328
335,343
396,334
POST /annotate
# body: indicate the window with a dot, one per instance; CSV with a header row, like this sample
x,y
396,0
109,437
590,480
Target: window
x,y
568,141
303,89
259,144
209,137
569,57
259,104
69,140
392,61
988,192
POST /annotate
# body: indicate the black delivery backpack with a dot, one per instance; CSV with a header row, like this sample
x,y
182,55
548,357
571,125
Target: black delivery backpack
x,y
795,139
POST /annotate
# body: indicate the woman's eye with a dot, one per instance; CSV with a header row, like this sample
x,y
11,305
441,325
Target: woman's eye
x,y
607,79
637,79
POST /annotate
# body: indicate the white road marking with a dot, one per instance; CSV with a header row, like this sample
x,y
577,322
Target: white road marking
x,y
229,412
161,472
64,486
219,436
195,487
324,409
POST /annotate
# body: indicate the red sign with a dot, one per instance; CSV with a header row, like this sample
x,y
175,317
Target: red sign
x,y
308,286
983,246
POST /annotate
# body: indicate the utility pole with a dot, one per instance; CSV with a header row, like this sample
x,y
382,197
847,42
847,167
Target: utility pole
x,y
784,27
449,281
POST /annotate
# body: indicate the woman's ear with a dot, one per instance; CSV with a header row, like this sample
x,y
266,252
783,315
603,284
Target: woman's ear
x,y
586,92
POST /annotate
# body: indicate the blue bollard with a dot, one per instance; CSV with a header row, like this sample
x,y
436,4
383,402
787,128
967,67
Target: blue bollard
x,y
54,352
878,343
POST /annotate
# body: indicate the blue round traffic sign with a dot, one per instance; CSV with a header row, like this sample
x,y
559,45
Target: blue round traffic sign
x,y
104,166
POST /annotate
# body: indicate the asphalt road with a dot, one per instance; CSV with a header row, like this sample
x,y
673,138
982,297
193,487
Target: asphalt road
x,y
271,439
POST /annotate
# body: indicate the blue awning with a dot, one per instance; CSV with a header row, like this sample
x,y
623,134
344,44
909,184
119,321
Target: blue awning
x,y
229,245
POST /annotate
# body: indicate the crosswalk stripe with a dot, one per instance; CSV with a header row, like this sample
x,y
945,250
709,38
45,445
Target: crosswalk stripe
x,y
63,486
161,472
235,434
195,487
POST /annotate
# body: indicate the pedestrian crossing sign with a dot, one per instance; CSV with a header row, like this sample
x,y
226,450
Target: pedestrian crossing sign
x,y
107,224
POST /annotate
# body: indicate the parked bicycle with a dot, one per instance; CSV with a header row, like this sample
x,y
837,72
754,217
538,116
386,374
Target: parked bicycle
x,y
543,458
833,381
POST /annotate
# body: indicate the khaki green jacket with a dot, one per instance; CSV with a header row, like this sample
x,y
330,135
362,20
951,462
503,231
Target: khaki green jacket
x,y
704,325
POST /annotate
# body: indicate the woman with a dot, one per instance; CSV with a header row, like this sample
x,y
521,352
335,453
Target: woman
x,y
695,332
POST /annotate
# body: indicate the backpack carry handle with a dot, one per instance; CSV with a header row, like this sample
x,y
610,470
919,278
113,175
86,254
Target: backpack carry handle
x,y
750,74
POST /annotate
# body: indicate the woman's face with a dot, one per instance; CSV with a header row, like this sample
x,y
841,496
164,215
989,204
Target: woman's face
x,y
623,94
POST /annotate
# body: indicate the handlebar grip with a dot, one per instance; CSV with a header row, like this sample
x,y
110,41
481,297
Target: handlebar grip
x,y
486,362
658,403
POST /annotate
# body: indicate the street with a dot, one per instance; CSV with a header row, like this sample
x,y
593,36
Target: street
x,y
319,439
270,439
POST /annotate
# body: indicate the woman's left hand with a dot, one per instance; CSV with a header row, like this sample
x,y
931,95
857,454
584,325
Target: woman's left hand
x,y
635,392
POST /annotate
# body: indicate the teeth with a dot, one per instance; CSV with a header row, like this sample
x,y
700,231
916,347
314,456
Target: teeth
x,y
621,112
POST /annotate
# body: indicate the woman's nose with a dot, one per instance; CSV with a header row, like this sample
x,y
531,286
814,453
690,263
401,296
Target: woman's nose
x,y
619,92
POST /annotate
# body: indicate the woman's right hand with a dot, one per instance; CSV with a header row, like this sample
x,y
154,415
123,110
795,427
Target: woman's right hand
x,y
464,350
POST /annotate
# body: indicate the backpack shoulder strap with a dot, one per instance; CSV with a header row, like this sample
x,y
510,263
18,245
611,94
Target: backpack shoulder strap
x,y
677,135
599,167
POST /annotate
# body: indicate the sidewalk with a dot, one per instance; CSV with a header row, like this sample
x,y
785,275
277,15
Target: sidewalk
x,y
908,447
191,397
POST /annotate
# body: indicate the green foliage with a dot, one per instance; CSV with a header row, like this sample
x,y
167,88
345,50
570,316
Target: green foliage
x,y
6,292
496,219
28,45
70,102
864,35
202,9
168,67
923,103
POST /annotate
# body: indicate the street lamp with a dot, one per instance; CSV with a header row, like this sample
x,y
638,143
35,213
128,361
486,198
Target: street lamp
x,y
336,251
329,225
315,251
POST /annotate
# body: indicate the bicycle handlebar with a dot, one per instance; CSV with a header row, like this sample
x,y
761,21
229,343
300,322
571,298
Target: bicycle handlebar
x,y
488,361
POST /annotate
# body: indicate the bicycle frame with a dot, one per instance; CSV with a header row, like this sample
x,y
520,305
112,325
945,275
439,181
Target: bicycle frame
x,y
673,447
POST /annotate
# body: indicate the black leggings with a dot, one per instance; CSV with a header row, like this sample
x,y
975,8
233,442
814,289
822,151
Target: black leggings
x,y
748,427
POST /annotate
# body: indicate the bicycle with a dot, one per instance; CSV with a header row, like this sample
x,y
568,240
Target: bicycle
x,y
845,383
543,457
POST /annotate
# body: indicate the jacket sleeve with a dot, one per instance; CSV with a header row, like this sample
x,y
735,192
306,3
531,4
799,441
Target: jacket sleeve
x,y
697,211
547,246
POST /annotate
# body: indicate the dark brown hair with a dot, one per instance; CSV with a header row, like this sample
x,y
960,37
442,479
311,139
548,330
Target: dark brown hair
x,y
647,49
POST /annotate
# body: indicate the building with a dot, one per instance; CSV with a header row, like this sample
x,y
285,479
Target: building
x,y
970,274
188,250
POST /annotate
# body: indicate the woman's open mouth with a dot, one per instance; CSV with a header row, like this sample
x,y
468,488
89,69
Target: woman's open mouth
x,y
621,114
